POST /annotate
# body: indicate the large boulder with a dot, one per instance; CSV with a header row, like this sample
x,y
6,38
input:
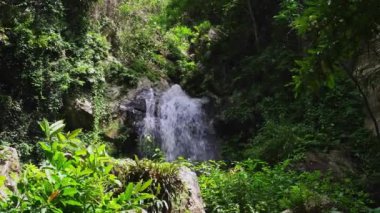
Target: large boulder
x,y
194,202
10,170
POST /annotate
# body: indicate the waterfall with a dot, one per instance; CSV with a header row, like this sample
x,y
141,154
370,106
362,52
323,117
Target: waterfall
x,y
149,125
178,123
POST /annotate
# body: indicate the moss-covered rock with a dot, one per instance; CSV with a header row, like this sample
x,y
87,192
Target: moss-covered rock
x,y
9,170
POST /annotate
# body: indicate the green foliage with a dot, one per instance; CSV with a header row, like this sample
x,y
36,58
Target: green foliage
x,y
231,50
310,122
36,40
276,142
118,74
15,132
137,38
166,185
74,178
186,10
337,31
51,51
252,186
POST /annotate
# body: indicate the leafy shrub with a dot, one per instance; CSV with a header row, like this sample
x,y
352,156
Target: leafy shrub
x,y
310,122
166,184
137,37
118,74
253,186
276,142
75,178
45,59
16,126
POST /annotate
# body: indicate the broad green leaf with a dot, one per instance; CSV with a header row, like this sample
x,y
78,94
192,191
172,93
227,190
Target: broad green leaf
x,y
81,152
72,203
144,196
45,147
54,146
68,182
69,192
108,168
87,171
56,127
74,133
114,205
146,185
128,192
49,176
44,124
2,180
75,140
61,137
138,186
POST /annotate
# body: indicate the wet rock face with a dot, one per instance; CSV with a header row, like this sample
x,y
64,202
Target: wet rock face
x,y
133,105
128,108
134,109
172,120
9,168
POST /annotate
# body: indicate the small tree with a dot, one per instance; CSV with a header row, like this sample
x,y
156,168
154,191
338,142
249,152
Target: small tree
x,y
334,33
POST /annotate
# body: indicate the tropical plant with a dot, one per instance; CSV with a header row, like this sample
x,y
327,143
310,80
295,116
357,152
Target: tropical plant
x,y
166,185
253,186
334,34
74,178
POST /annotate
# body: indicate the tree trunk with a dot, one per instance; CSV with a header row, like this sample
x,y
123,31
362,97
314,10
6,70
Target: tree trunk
x,y
254,23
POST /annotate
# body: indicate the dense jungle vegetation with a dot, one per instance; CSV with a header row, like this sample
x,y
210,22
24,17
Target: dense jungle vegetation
x,y
285,78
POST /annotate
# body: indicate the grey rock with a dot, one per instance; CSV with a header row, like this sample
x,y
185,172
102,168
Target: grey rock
x,y
10,169
194,203
132,107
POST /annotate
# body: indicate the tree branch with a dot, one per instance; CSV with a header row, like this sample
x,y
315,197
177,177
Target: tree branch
x,y
254,23
350,72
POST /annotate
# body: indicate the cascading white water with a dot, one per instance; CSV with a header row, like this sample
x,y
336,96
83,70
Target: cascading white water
x,y
149,125
179,123
183,128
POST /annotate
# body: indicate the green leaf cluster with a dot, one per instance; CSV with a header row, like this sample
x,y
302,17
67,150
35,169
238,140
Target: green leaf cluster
x,y
74,178
253,186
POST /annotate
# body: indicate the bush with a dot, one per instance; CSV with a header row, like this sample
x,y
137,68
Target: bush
x,y
74,178
276,142
166,185
253,186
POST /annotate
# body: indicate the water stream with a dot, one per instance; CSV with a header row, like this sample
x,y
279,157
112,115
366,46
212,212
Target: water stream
x,y
179,124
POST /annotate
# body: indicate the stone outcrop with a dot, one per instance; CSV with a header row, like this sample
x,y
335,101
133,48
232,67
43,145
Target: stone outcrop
x,y
132,106
9,169
194,202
